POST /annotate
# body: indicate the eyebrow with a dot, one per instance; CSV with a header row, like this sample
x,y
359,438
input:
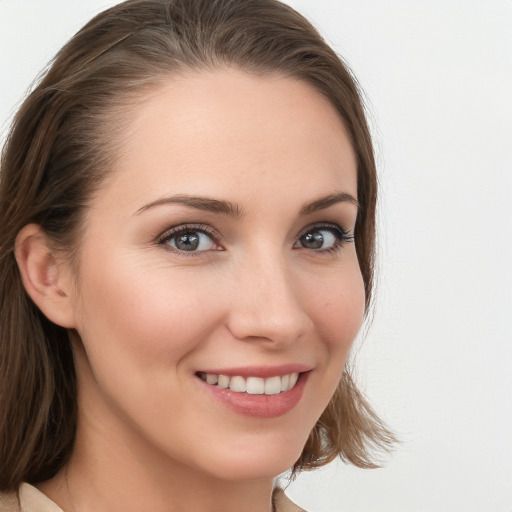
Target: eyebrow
x,y
235,210
200,203
325,202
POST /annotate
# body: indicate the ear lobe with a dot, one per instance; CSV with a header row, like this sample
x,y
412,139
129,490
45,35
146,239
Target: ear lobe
x,y
43,276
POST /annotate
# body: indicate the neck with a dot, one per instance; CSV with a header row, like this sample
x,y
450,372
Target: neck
x,y
97,480
113,468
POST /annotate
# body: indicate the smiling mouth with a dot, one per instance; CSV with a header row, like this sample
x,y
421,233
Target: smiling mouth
x,y
252,385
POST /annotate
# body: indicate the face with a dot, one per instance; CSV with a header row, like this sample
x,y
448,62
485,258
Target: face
x,y
218,290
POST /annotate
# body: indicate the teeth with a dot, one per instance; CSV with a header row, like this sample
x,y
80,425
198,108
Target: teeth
x,y
223,381
252,385
285,383
237,384
212,379
255,386
273,386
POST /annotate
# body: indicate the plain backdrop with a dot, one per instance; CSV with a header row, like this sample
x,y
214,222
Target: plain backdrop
x,y
437,361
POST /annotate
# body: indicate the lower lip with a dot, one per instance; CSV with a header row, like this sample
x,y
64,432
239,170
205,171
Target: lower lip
x,y
259,406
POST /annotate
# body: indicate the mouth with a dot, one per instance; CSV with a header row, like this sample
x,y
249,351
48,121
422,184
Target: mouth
x,y
257,392
252,385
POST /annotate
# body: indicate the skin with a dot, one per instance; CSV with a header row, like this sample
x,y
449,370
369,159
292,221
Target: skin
x,y
147,317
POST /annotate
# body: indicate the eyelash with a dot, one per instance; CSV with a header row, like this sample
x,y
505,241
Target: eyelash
x,y
183,229
341,237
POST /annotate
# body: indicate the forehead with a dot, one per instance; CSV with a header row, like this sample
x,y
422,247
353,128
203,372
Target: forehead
x,y
231,133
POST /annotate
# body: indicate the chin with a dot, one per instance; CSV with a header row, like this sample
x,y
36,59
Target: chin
x,y
259,460
248,470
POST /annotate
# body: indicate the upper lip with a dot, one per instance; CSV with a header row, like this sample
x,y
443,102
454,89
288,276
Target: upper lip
x,y
259,371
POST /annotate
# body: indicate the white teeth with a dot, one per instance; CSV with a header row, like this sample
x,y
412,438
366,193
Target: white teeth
x,y
223,381
211,378
285,382
252,385
273,386
237,384
255,386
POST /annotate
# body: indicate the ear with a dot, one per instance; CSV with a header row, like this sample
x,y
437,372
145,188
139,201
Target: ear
x,y
45,278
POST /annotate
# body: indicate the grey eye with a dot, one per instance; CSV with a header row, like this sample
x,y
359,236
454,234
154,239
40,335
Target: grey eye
x,y
191,241
318,238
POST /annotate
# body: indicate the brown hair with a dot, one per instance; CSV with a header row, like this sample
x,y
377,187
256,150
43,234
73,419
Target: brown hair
x,y
57,154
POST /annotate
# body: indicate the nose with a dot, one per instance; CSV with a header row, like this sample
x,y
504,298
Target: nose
x,y
266,303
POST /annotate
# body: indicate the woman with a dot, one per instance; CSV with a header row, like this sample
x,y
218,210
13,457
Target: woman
x,y
188,202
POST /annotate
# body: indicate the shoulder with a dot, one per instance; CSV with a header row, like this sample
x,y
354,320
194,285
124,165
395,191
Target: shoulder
x,y
282,503
27,499
9,502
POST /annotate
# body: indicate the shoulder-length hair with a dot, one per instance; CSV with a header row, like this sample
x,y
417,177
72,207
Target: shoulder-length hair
x,y
58,153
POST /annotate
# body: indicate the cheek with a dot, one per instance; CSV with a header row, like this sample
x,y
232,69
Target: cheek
x,y
339,310
150,317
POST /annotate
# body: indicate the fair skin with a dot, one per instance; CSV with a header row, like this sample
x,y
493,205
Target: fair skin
x,y
170,290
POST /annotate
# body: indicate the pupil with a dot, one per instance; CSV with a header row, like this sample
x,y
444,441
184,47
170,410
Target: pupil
x,y
313,240
187,242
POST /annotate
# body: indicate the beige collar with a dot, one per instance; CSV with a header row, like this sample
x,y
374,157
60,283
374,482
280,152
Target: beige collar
x,y
283,504
33,500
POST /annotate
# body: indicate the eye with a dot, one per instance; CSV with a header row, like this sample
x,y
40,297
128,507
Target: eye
x,y
326,237
189,239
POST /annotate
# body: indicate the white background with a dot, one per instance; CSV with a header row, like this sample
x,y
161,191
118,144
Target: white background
x,y
437,362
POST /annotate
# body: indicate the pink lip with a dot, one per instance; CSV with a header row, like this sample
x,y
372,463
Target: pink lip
x,y
259,406
264,372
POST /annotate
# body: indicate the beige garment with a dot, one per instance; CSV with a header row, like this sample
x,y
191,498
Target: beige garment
x,y
283,504
28,499
9,502
33,500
